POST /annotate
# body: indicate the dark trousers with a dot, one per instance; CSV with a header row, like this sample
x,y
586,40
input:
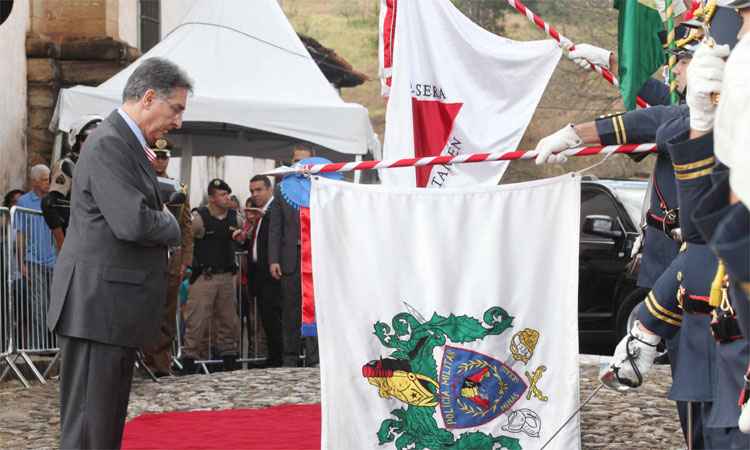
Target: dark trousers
x,y
267,293
291,324
94,391
682,413
291,318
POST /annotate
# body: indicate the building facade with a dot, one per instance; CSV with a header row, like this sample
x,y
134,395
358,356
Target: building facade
x,y
47,45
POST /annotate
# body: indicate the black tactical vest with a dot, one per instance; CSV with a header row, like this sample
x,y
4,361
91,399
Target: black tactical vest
x,y
215,252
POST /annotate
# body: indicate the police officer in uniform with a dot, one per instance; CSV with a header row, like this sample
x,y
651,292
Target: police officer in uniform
x,y
56,204
699,183
211,307
159,356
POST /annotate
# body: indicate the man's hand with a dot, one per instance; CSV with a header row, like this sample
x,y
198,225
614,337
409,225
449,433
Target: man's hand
x,y
583,54
24,270
183,269
704,77
239,236
634,356
561,140
276,271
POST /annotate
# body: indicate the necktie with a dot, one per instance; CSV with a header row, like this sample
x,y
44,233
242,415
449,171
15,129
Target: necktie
x,y
150,155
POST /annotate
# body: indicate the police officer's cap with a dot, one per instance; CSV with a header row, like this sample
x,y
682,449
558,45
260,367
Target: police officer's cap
x,y
685,51
219,184
162,147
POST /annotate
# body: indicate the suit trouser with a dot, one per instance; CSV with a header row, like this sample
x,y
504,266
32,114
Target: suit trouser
x,y
211,304
291,322
159,356
268,298
94,391
291,317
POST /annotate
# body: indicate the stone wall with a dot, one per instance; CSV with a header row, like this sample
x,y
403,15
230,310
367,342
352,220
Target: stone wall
x,y
53,65
58,19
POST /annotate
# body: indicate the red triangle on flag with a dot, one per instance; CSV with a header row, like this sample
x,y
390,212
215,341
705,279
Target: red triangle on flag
x,y
433,123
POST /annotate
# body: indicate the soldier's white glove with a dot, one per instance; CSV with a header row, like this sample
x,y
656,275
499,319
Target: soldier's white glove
x,y
744,421
704,77
582,54
560,140
634,356
679,8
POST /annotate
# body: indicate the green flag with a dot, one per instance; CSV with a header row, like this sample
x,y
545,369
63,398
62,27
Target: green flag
x,y
640,51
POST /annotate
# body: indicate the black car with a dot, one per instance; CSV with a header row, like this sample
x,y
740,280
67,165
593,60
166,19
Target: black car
x,y
607,296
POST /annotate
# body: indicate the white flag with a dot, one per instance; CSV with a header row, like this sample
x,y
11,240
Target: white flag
x,y
447,315
455,88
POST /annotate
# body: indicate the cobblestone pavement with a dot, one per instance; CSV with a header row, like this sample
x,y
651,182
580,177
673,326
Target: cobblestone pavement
x,y
28,418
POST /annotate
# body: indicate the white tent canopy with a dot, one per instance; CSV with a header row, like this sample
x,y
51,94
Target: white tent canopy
x,y
257,90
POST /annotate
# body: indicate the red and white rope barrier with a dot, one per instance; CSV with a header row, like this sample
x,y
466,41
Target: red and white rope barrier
x,y
567,43
458,159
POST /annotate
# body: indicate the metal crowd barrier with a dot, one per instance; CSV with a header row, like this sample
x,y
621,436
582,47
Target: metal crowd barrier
x,y
249,352
29,256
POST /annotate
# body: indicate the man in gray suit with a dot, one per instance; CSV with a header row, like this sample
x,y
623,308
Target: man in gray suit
x,y
284,264
110,281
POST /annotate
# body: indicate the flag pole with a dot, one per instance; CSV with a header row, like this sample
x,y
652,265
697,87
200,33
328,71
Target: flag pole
x,y
457,159
567,43
673,97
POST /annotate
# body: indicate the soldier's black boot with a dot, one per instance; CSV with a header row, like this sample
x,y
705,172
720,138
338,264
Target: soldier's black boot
x,y
230,362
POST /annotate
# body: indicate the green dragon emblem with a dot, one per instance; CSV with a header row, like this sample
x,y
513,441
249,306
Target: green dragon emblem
x,y
410,372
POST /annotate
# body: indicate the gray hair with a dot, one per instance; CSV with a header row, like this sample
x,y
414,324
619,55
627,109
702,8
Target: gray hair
x,y
159,74
38,172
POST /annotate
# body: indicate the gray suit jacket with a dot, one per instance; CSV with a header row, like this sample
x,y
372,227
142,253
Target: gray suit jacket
x,y
110,279
283,234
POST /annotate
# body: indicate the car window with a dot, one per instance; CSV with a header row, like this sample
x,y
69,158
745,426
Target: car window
x,y
632,196
595,201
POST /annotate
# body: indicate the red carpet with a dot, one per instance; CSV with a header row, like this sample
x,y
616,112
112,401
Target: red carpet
x,y
286,427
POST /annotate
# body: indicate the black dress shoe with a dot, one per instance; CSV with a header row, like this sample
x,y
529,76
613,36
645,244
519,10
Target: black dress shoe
x,y
188,367
229,362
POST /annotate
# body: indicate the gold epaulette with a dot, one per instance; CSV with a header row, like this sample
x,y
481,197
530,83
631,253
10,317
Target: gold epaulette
x,y
718,286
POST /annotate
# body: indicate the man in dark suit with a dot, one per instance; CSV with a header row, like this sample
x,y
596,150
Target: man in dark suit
x,y
110,280
284,264
265,288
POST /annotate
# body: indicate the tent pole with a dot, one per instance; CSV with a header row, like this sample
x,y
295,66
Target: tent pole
x,y
57,148
186,161
358,174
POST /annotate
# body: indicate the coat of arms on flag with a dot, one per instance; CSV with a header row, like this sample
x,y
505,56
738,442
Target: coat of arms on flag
x,y
435,331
